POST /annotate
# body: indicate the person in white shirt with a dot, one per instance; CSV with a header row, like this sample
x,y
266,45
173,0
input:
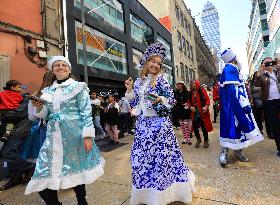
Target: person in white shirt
x,y
112,118
97,103
124,116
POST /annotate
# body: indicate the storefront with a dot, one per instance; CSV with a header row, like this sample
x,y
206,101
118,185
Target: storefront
x,y
117,33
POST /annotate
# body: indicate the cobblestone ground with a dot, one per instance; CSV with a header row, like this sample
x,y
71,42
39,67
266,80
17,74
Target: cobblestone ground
x,y
253,183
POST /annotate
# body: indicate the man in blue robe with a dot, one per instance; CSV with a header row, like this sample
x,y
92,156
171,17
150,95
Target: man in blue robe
x,y
238,128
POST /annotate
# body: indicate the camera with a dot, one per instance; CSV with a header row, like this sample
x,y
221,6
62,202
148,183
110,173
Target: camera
x,y
272,63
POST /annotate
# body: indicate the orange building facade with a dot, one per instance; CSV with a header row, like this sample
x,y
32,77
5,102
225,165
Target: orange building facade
x,y
24,42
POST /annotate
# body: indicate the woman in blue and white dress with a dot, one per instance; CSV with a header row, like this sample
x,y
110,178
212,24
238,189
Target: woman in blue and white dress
x,y
159,173
69,158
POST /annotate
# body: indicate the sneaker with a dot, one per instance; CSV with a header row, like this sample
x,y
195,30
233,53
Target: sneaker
x,y
206,144
185,141
12,183
223,158
240,156
197,144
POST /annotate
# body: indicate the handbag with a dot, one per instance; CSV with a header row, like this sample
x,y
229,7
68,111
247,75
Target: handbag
x,y
162,110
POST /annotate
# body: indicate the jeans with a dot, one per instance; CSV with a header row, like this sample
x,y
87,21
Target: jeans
x,y
272,107
196,129
97,125
16,165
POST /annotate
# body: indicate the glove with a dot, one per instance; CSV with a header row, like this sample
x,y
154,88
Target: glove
x,y
247,109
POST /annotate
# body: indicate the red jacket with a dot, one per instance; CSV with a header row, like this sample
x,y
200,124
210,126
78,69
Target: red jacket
x,y
205,116
10,100
215,92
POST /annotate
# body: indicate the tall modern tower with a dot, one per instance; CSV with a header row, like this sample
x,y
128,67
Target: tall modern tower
x,y
211,29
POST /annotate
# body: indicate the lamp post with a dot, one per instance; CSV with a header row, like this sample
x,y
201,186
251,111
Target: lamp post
x,y
84,41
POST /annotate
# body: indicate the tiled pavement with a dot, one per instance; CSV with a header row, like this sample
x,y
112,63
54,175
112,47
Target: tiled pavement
x,y
253,183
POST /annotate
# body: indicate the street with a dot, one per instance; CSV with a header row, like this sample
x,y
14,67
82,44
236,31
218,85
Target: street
x,y
256,182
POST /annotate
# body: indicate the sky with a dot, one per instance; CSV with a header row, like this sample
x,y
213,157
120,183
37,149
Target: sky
x,y
234,19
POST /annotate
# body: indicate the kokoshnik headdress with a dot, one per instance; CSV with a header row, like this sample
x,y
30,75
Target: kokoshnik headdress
x,y
155,49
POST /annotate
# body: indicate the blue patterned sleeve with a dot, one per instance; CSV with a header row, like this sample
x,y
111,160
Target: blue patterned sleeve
x,y
165,92
84,107
133,98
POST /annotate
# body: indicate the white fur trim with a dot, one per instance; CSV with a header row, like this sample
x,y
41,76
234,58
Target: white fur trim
x,y
180,191
229,83
86,177
130,96
237,145
58,58
88,132
243,101
228,55
42,114
57,182
253,137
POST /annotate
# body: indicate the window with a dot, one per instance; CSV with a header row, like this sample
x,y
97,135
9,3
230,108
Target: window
x,y
137,55
262,7
190,30
167,46
108,12
177,13
186,26
184,45
182,70
190,74
182,20
187,74
103,52
191,52
264,25
179,40
168,73
140,31
188,49
177,72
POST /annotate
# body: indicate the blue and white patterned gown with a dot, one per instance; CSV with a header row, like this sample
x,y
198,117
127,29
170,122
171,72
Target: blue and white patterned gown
x,y
63,162
159,173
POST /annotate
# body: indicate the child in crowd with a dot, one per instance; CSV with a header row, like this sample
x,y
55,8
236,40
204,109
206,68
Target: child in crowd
x,y
10,99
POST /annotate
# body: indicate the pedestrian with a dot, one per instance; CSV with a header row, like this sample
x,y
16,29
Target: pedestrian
x,y
15,167
238,128
182,112
199,104
175,120
124,116
216,98
34,141
69,158
269,79
10,99
96,112
112,118
159,173
257,104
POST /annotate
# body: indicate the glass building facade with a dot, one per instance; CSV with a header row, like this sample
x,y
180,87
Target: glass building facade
x,y
211,28
117,33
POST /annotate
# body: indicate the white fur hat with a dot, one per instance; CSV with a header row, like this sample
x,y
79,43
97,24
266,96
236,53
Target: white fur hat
x,y
228,55
182,82
58,58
